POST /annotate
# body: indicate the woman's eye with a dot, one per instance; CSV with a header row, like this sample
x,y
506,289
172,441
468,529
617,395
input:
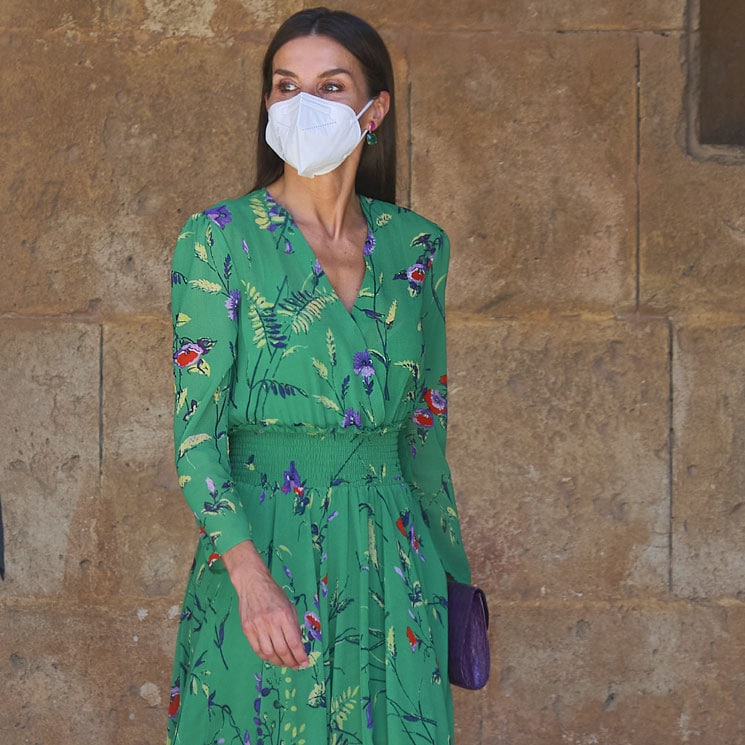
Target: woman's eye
x,y
331,87
286,86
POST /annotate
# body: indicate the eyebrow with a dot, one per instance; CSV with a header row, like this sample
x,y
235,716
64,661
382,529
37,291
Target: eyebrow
x,y
326,74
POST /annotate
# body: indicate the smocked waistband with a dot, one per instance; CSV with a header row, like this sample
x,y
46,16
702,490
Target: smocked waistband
x,y
325,458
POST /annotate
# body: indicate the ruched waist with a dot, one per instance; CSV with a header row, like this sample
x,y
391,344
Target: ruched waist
x,y
266,455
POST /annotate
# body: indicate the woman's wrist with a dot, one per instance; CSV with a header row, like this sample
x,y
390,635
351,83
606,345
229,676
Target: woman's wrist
x,y
243,555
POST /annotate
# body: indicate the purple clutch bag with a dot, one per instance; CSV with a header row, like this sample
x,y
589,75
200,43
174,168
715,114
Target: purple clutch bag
x,y
468,642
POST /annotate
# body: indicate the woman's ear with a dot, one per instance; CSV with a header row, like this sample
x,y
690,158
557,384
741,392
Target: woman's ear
x,y
378,109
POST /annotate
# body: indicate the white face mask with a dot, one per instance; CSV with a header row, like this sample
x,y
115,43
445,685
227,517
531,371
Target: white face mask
x,y
313,135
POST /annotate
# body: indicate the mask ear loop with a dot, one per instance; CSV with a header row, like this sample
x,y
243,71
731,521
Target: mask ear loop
x,y
368,133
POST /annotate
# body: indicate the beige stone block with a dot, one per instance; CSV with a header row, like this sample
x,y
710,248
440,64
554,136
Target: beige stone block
x,y
97,675
692,223
543,15
558,443
210,18
109,146
50,15
709,471
152,535
467,707
49,459
524,150
666,673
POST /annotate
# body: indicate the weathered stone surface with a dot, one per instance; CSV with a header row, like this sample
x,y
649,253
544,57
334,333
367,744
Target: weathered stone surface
x,y
692,223
558,446
209,18
666,673
542,15
524,151
52,14
86,676
49,481
151,530
98,192
709,471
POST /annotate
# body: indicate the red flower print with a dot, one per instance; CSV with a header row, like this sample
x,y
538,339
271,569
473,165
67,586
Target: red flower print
x,y
423,418
416,273
190,353
313,624
413,641
212,559
444,379
402,522
436,401
406,527
174,701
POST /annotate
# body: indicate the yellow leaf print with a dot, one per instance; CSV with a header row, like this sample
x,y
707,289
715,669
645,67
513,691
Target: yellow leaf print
x,y
182,319
204,284
321,369
391,642
327,402
331,346
200,251
371,547
192,442
391,314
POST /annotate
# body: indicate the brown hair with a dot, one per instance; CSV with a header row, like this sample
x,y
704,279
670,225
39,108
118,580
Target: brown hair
x,y
376,174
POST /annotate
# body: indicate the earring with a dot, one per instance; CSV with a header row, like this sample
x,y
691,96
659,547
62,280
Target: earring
x,y
372,138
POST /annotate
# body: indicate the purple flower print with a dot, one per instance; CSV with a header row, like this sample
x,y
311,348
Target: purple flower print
x,y
415,274
292,481
317,268
363,365
232,303
219,215
351,417
369,246
288,247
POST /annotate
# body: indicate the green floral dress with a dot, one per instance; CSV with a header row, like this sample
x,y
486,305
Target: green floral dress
x,y
319,434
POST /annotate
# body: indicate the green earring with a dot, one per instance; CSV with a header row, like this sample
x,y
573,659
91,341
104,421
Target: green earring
x,y
372,138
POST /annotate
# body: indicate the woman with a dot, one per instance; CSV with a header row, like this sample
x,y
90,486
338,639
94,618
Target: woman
x,y
309,354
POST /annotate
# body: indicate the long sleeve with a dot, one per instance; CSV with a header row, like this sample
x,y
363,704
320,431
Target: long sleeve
x,y
423,438
205,310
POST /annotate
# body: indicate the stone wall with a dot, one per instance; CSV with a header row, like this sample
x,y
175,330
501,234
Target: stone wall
x,y
597,333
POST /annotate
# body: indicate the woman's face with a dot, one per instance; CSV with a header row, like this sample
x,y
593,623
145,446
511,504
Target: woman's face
x,y
320,66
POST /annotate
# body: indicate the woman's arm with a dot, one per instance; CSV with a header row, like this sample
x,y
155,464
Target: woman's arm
x,y
205,308
422,441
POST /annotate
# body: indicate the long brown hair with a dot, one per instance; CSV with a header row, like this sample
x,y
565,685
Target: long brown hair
x,y
376,174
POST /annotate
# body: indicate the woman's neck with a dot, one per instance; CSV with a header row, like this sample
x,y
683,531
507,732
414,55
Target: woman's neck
x,y
328,203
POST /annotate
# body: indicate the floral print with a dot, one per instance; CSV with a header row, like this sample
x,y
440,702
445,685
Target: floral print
x,y
319,434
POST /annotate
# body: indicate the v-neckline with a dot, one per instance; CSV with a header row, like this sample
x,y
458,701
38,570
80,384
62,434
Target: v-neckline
x,y
369,241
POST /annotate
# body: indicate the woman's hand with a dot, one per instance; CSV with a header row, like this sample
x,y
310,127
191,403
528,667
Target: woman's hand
x,y
268,618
